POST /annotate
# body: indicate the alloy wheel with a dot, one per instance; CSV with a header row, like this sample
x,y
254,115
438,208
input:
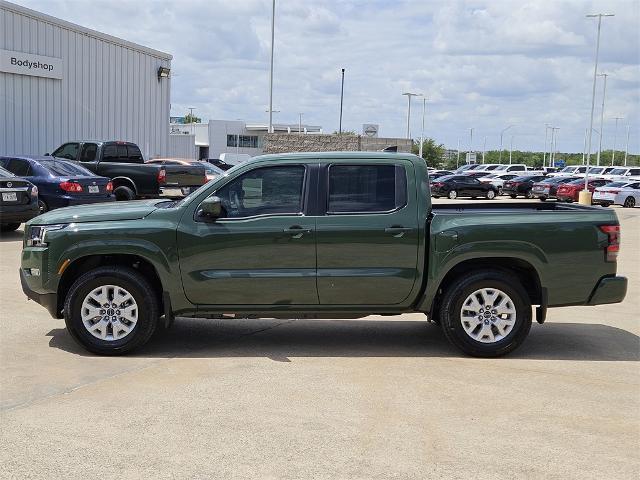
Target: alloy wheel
x,y
109,313
488,315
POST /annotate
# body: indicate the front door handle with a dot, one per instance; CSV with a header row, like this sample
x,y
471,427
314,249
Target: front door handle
x,y
296,231
398,231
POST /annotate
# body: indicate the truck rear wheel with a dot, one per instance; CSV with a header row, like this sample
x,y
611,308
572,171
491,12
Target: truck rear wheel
x,y
111,310
124,193
486,314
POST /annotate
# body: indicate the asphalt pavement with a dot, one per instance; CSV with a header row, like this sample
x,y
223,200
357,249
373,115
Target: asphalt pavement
x,y
376,398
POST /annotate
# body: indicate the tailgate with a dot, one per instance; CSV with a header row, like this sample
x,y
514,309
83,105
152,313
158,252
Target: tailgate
x,y
184,175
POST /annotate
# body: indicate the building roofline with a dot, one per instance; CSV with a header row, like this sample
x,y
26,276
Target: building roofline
x,y
12,7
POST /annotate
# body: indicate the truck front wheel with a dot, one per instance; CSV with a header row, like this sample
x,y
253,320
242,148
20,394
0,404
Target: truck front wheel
x,y
111,310
486,314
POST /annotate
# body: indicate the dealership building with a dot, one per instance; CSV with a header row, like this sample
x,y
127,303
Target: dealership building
x,y
60,82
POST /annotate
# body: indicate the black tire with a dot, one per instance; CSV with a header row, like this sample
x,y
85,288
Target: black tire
x,y
9,227
436,196
543,199
513,196
132,281
629,202
42,207
529,194
499,190
451,306
124,193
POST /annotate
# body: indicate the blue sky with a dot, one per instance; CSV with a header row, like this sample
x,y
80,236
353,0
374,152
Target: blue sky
x,y
484,64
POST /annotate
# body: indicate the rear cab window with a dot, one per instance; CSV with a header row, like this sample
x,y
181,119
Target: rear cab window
x,y
88,153
366,188
134,154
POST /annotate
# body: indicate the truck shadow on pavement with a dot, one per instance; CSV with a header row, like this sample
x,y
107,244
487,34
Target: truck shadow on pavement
x,y
281,339
15,236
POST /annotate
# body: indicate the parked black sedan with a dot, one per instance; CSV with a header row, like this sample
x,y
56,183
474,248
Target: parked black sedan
x,y
18,201
521,185
454,186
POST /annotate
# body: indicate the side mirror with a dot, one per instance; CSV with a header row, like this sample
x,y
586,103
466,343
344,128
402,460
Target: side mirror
x,y
47,154
211,207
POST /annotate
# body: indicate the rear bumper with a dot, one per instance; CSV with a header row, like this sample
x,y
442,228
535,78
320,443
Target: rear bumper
x,y
47,300
609,290
18,213
69,201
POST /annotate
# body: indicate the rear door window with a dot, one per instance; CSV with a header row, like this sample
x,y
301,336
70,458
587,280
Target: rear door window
x,y
110,153
366,188
19,167
89,151
134,154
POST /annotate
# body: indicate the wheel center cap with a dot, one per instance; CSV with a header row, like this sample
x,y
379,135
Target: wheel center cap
x,y
111,312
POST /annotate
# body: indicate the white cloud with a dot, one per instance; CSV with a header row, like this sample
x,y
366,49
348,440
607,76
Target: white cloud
x,y
482,63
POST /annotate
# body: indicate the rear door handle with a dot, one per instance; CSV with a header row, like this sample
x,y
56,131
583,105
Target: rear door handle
x,y
296,231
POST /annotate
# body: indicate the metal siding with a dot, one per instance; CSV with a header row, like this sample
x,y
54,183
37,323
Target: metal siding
x,y
108,90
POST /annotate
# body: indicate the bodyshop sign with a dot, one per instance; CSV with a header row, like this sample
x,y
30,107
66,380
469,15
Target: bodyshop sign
x,y
30,64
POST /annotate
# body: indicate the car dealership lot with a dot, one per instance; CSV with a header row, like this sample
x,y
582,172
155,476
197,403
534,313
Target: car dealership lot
x,y
382,397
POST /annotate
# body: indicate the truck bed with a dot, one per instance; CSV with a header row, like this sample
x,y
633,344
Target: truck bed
x,y
524,207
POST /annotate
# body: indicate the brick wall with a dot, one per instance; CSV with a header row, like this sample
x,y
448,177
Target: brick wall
x,y
294,142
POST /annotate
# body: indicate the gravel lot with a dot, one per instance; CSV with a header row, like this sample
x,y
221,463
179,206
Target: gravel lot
x,y
374,398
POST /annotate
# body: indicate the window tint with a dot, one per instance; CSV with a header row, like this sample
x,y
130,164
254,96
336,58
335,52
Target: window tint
x,y
122,153
268,190
110,154
134,153
68,151
366,188
88,152
634,171
65,169
18,167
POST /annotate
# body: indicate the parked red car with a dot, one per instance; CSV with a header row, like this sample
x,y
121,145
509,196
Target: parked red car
x,y
569,191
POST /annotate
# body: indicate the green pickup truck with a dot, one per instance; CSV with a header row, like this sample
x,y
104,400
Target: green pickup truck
x,y
319,235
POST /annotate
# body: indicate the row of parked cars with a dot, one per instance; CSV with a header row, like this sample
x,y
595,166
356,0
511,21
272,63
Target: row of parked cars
x,y
609,185
86,172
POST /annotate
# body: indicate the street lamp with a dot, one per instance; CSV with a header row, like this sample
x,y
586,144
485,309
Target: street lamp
x,y
544,154
502,133
626,150
554,144
409,95
300,122
424,108
511,149
585,196
604,93
470,141
273,20
484,148
615,138
341,99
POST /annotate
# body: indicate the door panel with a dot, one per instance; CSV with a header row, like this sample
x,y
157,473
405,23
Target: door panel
x,y
263,250
368,258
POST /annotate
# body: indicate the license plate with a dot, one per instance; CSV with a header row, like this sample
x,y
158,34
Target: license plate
x,y
9,197
94,189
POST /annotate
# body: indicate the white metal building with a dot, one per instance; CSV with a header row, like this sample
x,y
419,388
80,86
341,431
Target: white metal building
x,y
60,82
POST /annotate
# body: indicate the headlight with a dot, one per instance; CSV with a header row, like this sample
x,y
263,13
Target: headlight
x,y
38,234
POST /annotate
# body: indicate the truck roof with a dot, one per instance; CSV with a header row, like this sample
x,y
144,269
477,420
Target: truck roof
x,y
339,155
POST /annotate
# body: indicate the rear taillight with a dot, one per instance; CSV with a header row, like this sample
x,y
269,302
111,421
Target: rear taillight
x,y
109,187
437,184
162,175
72,187
613,246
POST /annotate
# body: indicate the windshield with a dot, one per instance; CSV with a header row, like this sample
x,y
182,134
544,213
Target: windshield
x,y
211,169
6,173
596,170
618,171
568,169
501,167
617,184
62,168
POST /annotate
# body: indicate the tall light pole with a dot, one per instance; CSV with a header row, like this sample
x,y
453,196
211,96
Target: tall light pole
x,y
341,100
604,93
554,145
584,147
424,108
409,95
544,154
191,109
470,142
615,139
626,150
511,149
300,122
585,196
502,133
484,148
458,154
273,23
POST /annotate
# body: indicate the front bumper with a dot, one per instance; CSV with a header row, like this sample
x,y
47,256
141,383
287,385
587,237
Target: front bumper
x,y
609,290
47,300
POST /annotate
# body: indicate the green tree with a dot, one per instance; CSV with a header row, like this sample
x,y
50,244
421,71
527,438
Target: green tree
x,y
188,118
431,152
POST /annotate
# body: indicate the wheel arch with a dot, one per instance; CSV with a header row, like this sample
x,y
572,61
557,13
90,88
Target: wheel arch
x,y
526,273
124,182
